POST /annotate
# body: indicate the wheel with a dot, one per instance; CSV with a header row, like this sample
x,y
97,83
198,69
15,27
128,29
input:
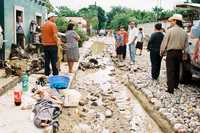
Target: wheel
x,y
185,75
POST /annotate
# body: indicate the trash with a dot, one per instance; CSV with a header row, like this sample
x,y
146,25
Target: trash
x,y
17,97
72,98
42,81
25,82
46,113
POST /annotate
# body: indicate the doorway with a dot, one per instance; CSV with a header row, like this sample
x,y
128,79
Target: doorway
x,y
18,12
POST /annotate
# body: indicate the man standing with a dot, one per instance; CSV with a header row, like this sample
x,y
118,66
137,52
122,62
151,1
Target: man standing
x,y
50,40
154,48
132,36
174,43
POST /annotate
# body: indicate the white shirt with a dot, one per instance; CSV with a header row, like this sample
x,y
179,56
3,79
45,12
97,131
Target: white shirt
x,y
132,33
140,37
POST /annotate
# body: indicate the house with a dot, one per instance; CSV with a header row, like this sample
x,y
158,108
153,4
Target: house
x,y
9,12
80,21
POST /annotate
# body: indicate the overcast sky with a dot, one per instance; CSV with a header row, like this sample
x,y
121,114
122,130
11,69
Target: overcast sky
x,y
107,4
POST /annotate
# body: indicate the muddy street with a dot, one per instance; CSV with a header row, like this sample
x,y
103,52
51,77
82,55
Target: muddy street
x,y
106,105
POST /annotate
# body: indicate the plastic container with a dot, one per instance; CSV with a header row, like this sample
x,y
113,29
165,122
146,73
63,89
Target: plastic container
x,y
17,97
25,82
59,82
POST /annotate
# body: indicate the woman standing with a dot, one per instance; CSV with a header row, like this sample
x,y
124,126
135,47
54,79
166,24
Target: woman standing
x,y
154,48
71,46
174,43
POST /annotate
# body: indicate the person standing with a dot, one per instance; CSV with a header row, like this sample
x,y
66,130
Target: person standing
x,y
140,40
71,47
174,43
20,32
154,48
121,41
50,40
132,36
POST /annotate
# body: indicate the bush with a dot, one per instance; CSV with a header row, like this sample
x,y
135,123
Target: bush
x,y
83,36
62,23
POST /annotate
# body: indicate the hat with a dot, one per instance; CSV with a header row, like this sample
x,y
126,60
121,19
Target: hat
x,y
176,17
51,15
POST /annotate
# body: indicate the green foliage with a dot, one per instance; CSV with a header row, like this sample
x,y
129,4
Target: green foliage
x,y
101,18
95,15
121,16
50,8
120,20
66,12
61,23
82,35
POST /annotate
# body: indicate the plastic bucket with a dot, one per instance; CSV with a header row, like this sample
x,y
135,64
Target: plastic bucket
x,y
59,82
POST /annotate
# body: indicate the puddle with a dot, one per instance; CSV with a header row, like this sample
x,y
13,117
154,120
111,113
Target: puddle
x,y
98,47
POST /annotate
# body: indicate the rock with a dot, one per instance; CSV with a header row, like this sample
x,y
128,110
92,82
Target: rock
x,y
180,128
108,113
82,128
83,102
94,104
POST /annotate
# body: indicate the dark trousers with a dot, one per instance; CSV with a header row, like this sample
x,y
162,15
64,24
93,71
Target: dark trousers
x,y
20,40
173,60
155,64
51,56
124,52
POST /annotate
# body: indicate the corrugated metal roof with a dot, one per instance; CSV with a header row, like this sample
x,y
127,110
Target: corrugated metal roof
x,y
189,5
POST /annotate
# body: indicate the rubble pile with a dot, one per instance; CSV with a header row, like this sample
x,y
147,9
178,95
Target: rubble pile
x,y
91,62
24,60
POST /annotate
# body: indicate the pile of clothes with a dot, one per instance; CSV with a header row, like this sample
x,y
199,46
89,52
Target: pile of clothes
x,y
46,106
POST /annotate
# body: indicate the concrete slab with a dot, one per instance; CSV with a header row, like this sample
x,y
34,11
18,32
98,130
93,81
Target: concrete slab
x,y
15,120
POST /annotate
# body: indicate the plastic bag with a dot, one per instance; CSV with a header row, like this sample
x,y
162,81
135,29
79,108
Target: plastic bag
x,y
72,98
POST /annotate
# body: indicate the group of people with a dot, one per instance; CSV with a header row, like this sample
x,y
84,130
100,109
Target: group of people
x,y
133,38
53,45
172,44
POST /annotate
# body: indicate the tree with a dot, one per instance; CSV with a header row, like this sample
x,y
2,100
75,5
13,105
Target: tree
x,y
120,20
66,12
90,15
101,18
49,6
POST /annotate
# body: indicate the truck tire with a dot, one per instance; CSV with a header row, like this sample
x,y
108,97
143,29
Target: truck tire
x,y
185,75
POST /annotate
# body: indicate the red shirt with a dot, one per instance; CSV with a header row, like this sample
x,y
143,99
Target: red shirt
x,y
48,30
125,35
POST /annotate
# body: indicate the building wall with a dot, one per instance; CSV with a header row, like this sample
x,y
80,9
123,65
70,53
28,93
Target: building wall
x,y
1,13
30,10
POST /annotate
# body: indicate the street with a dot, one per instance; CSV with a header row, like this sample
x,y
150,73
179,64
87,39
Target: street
x,y
108,105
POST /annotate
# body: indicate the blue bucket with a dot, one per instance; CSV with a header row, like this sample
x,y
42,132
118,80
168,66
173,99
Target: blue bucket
x,y
59,82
